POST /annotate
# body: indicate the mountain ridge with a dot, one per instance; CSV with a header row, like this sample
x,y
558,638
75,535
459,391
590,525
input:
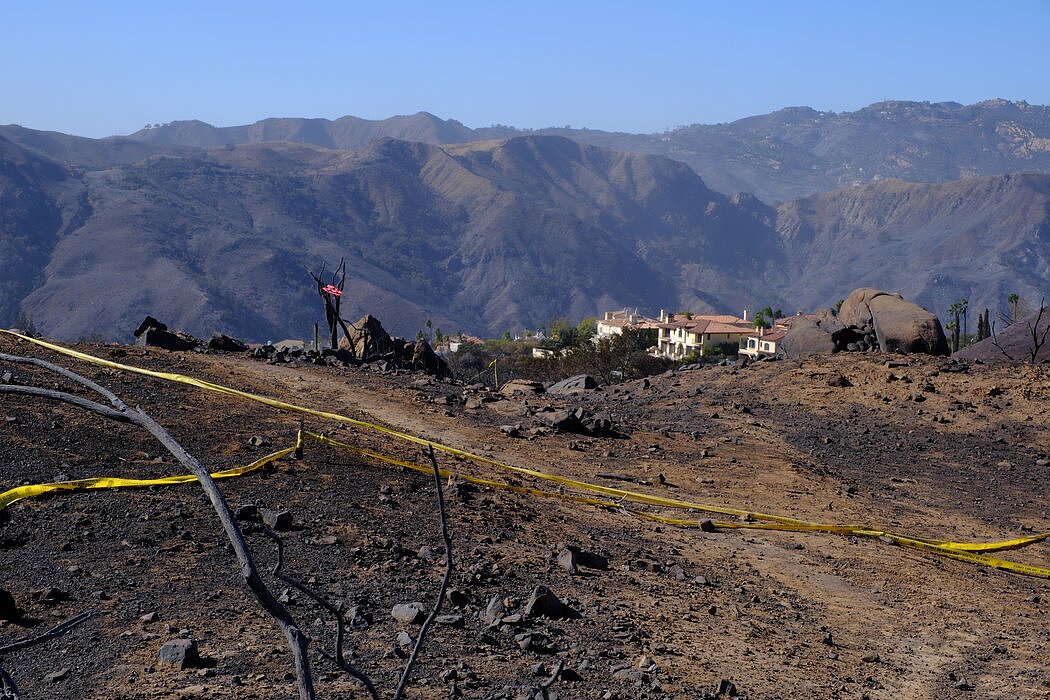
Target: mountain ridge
x,y
786,154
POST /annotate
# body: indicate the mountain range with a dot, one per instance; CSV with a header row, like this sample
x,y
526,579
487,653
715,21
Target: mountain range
x,y
490,230
780,156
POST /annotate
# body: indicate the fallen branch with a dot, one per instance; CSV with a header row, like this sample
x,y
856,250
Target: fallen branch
x,y
297,641
444,580
8,689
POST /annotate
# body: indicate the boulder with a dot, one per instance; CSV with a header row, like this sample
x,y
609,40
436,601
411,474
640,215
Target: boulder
x,y
180,653
898,325
368,339
521,386
572,385
811,335
225,343
424,358
166,340
149,322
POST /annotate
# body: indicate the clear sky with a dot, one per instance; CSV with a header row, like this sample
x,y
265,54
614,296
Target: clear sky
x,y
109,67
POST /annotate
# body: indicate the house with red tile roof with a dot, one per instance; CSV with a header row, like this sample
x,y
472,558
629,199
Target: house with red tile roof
x,y
685,335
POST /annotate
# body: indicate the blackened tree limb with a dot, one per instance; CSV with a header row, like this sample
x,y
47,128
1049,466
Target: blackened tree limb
x,y
79,402
339,658
296,639
444,580
56,631
8,689
68,374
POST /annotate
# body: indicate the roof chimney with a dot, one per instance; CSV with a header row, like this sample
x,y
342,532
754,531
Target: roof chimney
x,y
745,314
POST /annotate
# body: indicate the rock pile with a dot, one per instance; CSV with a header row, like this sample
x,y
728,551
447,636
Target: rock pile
x,y
869,320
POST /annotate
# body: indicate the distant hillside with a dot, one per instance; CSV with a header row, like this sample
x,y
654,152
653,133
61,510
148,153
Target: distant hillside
x,y
483,237
980,239
780,156
342,133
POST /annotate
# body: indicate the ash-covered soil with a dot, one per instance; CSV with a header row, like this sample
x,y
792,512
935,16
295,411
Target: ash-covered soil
x,y
928,448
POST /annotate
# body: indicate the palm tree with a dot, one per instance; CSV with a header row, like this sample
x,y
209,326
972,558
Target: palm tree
x,y
1013,299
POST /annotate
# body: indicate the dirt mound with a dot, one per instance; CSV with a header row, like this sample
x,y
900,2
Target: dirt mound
x,y
1015,343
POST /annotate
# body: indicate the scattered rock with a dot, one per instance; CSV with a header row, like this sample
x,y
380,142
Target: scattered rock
x,y
56,676
279,520
521,386
8,608
180,653
493,612
543,603
225,343
408,613
839,380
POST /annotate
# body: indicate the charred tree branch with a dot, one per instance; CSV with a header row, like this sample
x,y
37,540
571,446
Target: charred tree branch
x,y
444,580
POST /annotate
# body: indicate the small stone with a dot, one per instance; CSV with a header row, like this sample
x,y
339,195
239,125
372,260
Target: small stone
x,y
543,603
149,617
567,561
247,512
449,620
493,612
871,658
181,653
839,380
457,598
277,519
408,613
404,639
56,676
8,609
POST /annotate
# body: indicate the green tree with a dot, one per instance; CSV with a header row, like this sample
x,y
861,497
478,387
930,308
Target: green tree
x,y
1014,300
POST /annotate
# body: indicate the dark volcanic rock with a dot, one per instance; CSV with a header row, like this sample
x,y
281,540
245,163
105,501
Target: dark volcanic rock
x,y
8,608
154,337
149,322
180,653
225,343
424,358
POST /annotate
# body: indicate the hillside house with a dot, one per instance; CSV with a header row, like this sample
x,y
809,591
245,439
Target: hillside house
x,y
685,336
613,322
762,342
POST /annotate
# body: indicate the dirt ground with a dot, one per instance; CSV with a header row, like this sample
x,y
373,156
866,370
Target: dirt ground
x,y
929,448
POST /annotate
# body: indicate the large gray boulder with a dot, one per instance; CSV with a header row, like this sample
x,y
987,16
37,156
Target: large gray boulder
x,y
368,339
900,326
572,385
812,335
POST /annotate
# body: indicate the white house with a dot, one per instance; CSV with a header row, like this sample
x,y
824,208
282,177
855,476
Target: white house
x,y
690,335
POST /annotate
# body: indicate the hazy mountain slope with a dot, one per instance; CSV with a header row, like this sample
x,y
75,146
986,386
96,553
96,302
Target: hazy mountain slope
x,y
33,190
980,239
481,238
344,133
780,156
81,153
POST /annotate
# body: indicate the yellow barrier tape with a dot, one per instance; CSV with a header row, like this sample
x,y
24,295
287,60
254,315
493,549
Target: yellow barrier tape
x,y
957,550
108,482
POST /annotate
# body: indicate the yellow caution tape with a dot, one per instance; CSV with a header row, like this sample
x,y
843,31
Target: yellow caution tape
x,y
108,482
957,550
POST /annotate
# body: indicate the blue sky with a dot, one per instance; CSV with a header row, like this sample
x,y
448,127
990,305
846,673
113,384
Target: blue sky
x,y
102,68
